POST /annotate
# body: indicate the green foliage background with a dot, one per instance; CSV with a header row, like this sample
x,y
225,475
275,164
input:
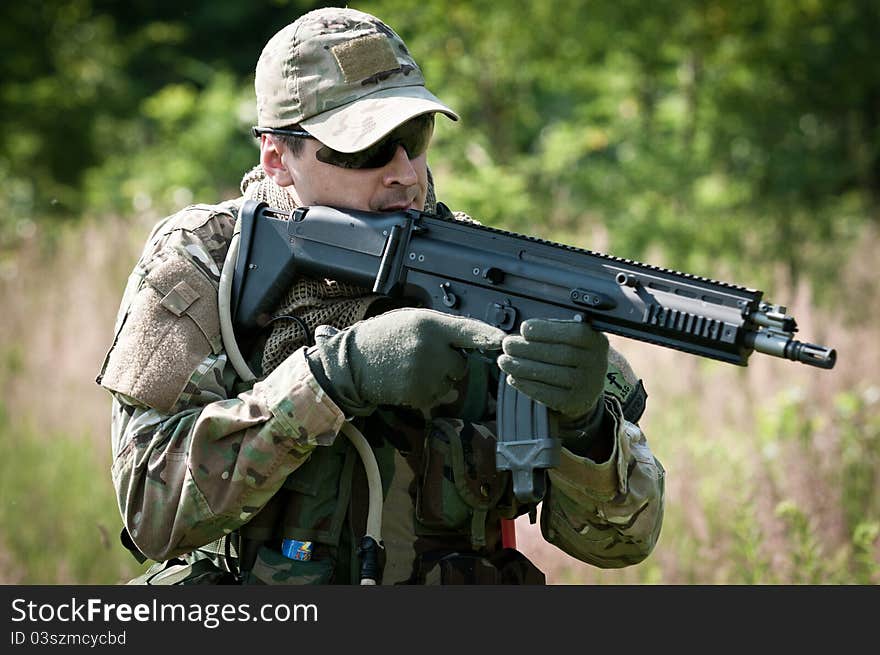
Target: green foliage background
x,y
728,139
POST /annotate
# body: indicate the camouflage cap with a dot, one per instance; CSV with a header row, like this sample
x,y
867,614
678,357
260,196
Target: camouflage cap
x,y
344,76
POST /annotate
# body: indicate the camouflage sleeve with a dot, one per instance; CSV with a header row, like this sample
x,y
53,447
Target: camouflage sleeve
x,y
609,513
191,461
186,479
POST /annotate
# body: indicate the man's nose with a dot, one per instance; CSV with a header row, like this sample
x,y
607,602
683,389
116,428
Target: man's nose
x,y
400,169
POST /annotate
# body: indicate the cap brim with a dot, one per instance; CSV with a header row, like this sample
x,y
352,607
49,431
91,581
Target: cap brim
x,y
362,123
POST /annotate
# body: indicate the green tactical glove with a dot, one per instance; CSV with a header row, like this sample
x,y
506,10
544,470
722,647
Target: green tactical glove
x,y
405,357
559,363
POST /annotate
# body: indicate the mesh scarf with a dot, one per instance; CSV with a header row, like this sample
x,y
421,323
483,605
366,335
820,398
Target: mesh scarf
x,y
310,302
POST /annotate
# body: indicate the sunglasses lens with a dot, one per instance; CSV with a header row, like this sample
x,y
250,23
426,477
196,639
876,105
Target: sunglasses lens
x,y
414,136
375,156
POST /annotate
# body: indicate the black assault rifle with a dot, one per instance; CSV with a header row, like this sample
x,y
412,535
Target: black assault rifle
x,y
504,278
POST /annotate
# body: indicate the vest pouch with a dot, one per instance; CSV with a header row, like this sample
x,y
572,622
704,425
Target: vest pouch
x,y
317,495
459,484
271,568
507,566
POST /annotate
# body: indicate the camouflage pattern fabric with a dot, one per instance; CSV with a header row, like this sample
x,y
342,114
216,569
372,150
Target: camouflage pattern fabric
x,y
218,456
313,71
188,475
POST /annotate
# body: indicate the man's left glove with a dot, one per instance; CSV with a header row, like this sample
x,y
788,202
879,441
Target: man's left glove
x,y
559,363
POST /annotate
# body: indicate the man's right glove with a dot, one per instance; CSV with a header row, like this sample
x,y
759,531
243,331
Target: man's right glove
x,y
405,357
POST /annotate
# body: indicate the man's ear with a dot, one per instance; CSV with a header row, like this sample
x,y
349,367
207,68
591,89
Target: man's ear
x,y
271,159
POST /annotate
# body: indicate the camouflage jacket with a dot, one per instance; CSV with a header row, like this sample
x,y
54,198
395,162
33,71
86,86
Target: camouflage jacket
x,y
198,455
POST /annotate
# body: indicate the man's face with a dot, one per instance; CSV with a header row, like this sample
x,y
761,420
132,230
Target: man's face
x,y
401,184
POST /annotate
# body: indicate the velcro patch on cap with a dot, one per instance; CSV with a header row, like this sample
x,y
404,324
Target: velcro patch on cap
x,y
365,56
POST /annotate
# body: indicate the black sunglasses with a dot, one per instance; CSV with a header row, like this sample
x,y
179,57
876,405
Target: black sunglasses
x,y
414,136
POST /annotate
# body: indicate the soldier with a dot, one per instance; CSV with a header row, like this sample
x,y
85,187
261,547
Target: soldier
x,y
223,480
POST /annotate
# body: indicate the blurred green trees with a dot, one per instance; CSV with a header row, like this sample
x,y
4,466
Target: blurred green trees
x,y
121,106
705,129
702,130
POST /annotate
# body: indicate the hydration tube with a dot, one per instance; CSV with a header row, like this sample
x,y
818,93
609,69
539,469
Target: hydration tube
x,y
224,302
372,540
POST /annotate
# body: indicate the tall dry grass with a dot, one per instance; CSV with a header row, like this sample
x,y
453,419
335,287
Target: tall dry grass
x,y
59,293
773,471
